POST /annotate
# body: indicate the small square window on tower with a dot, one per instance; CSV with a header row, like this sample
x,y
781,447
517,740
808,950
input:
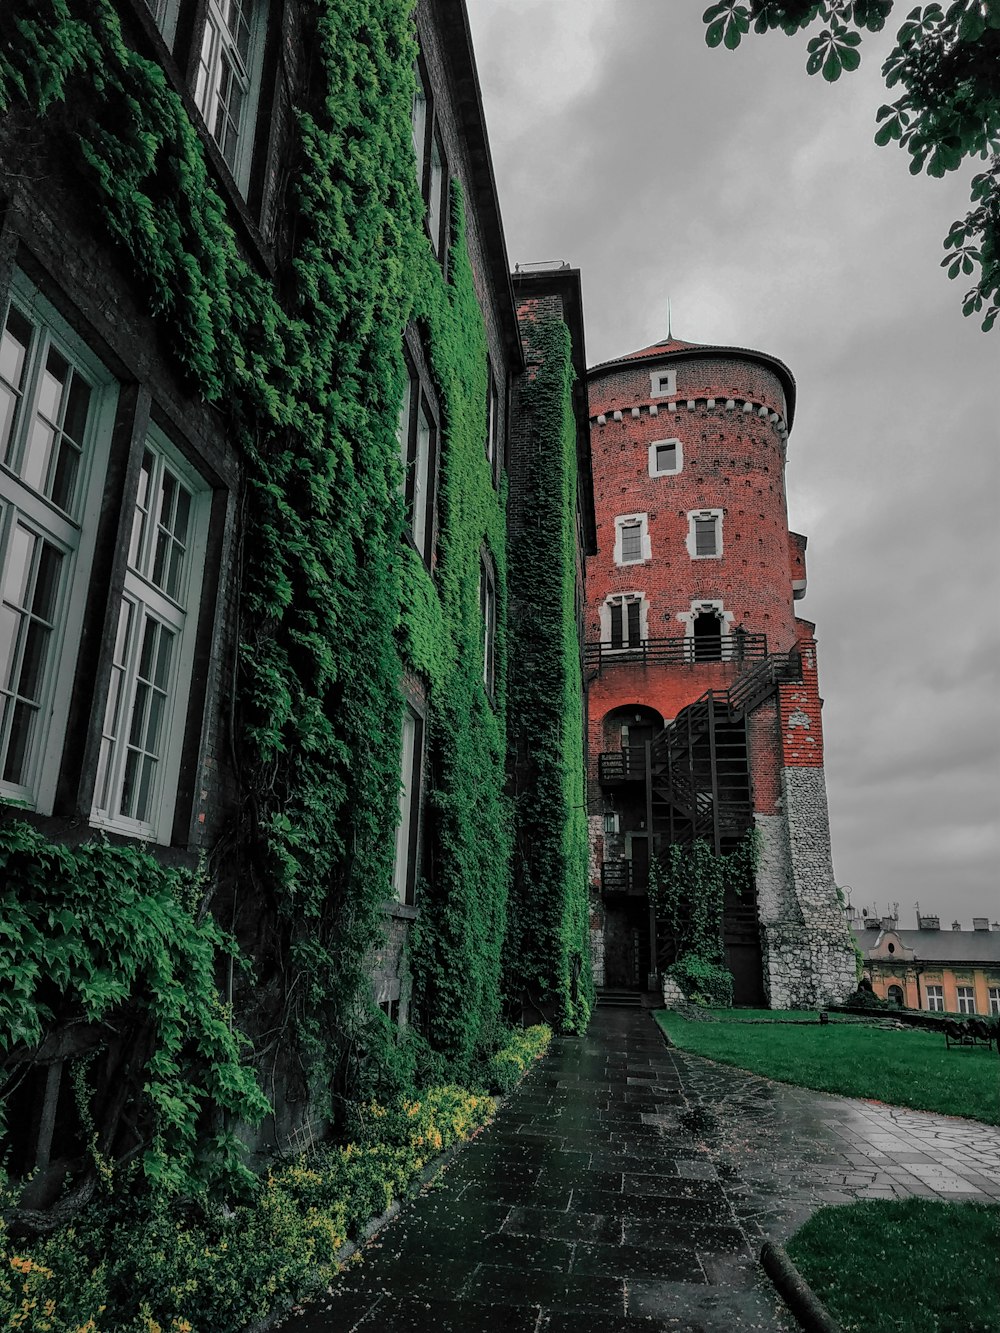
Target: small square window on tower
x,y
662,383
665,458
704,540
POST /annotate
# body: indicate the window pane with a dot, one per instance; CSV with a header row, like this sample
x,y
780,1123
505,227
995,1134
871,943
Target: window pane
x,y
13,370
19,741
617,614
633,623
421,468
666,457
631,541
704,532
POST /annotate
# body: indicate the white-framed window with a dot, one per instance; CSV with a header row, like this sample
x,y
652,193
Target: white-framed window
x,y
624,620
666,457
57,407
632,544
704,539
492,422
165,14
404,870
417,433
935,999
662,383
966,999
144,713
227,85
488,613
994,996
432,164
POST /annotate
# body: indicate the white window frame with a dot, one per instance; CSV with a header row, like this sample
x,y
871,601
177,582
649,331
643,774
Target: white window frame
x,y
662,383
67,531
965,998
178,613
404,867
641,521
220,53
623,599
431,163
655,471
165,17
492,422
935,999
696,515
993,995
417,432
488,615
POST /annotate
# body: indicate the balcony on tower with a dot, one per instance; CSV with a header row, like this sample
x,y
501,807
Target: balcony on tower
x,y
693,650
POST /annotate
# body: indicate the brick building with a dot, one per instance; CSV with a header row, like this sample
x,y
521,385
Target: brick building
x,y
160,685
704,711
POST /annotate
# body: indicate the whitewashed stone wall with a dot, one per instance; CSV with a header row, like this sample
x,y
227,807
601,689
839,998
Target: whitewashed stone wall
x,y
808,956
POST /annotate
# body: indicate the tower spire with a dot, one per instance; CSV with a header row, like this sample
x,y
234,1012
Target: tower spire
x,y
669,334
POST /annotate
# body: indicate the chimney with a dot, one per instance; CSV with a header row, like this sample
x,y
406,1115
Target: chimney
x,y
956,925
928,922
889,922
980,923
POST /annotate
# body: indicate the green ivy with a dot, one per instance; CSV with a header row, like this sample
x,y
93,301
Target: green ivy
x,y
549,946
687,886
308,373
107,936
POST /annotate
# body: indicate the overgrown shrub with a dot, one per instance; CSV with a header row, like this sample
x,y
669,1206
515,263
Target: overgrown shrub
x,y
514,1059
702,981
159,1266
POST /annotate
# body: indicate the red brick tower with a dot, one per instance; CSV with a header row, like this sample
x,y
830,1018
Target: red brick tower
x,y
704,713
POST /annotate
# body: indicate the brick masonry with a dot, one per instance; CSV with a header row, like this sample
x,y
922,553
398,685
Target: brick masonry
x,y
730,413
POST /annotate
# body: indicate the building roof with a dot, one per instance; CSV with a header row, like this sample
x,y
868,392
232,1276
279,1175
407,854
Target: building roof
x,y
945,946
678,350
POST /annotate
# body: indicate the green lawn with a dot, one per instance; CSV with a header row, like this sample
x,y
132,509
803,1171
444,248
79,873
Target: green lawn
x,y
907,1266
904,1068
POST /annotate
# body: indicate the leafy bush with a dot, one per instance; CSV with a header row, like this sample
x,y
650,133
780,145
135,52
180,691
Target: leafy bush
x,y
702,981
140,1263
514,1059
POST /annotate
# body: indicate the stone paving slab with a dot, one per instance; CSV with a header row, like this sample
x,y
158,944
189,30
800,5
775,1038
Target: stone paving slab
x,y
627,1187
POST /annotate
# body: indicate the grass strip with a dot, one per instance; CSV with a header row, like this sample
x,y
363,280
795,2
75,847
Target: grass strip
x,y
905,1266
901,1067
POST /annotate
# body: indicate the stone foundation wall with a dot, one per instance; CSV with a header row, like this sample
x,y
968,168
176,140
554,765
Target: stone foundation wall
x,y
808,956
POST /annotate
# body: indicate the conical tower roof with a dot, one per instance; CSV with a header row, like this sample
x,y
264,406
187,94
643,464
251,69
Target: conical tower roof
x,y
676,349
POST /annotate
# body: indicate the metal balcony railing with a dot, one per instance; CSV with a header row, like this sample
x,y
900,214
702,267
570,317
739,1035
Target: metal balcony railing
x,y
678,651
627,765
624,876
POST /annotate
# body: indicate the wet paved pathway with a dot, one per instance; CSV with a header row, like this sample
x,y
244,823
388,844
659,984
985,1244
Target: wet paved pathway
x,y
626,1186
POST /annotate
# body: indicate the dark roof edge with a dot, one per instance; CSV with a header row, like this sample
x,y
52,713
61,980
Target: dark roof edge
x,y
456,38
716,353
565,283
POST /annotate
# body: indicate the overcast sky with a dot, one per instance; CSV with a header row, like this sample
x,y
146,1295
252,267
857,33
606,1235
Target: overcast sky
x,y
754,197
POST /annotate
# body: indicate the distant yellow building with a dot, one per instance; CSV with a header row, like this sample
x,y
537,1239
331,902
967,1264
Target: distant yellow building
x,y
946,971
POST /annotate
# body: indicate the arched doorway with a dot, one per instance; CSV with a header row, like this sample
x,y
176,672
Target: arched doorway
x,y
895,995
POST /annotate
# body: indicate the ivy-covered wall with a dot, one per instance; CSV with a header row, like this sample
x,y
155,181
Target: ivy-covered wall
x,y
307,371
549,946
